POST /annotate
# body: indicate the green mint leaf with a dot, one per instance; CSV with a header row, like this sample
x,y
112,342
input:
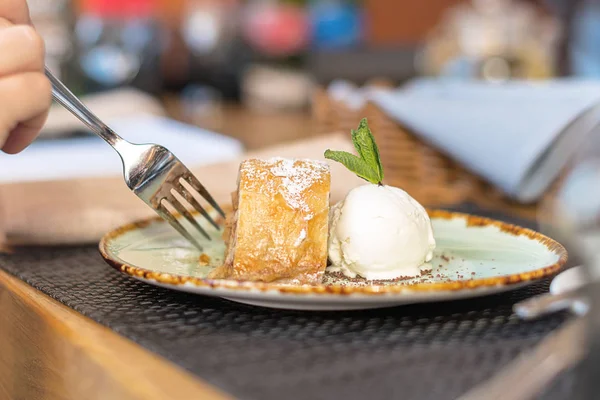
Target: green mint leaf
x,y
355,164
365,145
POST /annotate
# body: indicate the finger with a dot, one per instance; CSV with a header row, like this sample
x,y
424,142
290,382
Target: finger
x,y
4,23
16,11
26,49
24,134
26,99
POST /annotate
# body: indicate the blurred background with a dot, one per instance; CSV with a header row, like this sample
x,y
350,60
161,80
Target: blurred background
x,y
227,76
240,75
199,57
227,48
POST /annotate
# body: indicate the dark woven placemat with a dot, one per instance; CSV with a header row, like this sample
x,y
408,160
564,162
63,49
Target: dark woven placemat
x,y
432,351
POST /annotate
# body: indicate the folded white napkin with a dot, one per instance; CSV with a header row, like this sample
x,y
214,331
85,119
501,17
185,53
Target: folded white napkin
x,y
516,135
90,156
107,105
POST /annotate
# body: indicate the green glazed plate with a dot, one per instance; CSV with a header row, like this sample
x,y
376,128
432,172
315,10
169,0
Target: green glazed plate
x,y
475,256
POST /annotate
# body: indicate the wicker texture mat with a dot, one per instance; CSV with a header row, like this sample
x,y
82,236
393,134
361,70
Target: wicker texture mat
x,y
433,351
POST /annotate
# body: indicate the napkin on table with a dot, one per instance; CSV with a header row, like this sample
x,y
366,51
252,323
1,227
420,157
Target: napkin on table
x,y
108,106
81,210
89,156
516,135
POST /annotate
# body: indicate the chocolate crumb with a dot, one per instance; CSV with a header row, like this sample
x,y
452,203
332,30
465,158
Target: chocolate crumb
x,y
340,277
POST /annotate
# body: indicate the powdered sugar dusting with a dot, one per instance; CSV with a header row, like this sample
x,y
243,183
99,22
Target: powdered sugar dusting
x,y
300,238
321,165
297,176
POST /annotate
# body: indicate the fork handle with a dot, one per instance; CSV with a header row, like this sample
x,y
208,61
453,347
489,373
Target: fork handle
x,y
68,100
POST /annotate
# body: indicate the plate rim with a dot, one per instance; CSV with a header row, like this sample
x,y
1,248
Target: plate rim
x,y
370,290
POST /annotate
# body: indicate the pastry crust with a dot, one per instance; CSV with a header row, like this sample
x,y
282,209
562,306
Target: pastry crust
x,y
279,227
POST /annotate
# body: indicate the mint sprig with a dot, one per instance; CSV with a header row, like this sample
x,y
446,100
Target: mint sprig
x,y
354,164
367,165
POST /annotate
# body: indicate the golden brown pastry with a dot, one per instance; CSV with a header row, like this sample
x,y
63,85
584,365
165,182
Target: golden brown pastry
x,y
279,226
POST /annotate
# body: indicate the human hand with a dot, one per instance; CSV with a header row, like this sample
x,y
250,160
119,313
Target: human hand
x,y
25,92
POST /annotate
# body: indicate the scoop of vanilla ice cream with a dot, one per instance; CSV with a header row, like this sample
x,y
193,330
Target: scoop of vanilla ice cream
x,y
379,232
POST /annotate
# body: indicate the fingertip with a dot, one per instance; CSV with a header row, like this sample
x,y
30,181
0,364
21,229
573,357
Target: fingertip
x,y
23,135
16,11
18,140
26,49
34,39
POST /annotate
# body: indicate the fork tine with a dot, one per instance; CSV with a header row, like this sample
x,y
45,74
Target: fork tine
x,y
196,185
166,214
189,197
181,209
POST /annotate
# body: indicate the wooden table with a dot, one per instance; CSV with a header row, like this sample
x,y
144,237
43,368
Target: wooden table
x,y
255,129
48,351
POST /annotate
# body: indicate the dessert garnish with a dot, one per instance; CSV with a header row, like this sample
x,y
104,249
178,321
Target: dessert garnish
x,y
367,165
378,232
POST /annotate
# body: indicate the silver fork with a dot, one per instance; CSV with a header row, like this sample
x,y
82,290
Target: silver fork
x,y
151,171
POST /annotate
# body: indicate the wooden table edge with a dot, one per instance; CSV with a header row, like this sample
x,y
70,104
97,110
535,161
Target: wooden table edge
x,y
77,358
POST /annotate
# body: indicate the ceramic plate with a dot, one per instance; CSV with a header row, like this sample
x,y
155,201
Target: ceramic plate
x,y
475,256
